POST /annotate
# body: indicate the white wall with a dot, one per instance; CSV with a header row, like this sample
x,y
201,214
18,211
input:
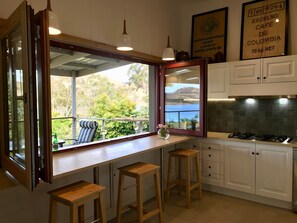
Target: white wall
x,y
148,22
192,7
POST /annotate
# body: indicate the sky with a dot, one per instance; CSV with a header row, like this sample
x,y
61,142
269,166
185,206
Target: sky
x,y
118,74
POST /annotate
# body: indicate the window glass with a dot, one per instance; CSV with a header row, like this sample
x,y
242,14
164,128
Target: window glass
x,y
182,97
113,93
16,97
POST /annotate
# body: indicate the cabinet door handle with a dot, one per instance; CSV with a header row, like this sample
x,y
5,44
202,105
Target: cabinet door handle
x,y
257,153
209,155
264,78
253,153
258,78
209,175
209,167
209,147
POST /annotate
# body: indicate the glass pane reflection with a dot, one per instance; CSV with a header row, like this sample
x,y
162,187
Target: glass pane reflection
x,y
15,93
182,94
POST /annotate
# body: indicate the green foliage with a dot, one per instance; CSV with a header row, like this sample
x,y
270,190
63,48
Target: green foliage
x,y
101,98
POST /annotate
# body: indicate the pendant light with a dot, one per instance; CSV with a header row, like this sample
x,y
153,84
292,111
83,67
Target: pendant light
x,y
124,42
53,23
168,53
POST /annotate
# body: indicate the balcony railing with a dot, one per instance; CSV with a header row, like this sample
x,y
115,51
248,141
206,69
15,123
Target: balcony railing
x,y
68,127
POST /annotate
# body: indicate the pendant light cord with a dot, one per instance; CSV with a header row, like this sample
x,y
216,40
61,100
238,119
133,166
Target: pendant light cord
x,y
49,7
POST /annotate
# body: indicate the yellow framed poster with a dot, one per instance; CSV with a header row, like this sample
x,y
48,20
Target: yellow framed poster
x,y
209,35
264,29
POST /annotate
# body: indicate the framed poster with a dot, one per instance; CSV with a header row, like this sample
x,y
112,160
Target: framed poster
x,y
264,29
209,35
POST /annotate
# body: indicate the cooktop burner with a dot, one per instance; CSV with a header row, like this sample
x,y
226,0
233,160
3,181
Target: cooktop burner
x,y
264,137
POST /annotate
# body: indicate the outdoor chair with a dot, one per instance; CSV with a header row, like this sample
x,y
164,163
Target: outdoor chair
x,y
87,132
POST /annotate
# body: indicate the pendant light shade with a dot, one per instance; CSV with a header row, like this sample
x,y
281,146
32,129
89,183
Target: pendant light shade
x,y
124,42
53,23
168,53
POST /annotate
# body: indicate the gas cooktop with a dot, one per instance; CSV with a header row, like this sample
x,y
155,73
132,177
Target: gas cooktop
x,y
264,137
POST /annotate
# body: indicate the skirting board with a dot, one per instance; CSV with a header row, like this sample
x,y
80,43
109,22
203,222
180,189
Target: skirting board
x,y
246,196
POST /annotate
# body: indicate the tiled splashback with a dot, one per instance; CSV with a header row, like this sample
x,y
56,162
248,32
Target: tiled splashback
x,y
260,116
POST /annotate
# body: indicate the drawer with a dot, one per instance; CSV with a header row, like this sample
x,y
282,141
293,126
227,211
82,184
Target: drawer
x,y
212,167
212,146
212,155
213,179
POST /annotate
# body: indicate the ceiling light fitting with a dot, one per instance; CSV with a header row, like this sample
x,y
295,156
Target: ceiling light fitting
x,y
168,53
124,42
53,23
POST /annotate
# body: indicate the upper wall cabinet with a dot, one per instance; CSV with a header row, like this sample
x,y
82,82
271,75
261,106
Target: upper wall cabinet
x,y
246,72
264,77
279,69
218,80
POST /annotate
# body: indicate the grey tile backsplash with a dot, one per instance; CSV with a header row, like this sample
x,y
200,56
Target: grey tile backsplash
x,y
260,116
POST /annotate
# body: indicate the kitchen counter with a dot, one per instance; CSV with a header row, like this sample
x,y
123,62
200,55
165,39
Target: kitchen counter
x,y
224,136
79,160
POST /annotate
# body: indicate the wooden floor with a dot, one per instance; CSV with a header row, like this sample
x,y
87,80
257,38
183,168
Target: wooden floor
x,y
216,208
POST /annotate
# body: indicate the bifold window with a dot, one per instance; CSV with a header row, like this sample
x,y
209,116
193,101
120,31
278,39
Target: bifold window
x,y
97,98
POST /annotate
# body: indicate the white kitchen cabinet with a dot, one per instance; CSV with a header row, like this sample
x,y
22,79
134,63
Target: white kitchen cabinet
x,y
279,69
218,80
264,170
240,166
267,70
246,72
212,160
274,165
264,77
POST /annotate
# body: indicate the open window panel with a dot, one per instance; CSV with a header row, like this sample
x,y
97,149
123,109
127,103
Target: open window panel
x,y
183,90
21,125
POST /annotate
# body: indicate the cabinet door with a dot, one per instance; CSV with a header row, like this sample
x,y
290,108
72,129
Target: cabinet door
x,y
218,80
246,72
240,166
279,69
274,172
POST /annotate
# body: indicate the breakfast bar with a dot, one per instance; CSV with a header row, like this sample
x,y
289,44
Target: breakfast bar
x,y
79,160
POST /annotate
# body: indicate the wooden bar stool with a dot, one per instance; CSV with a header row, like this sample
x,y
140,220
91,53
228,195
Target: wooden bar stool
x,y
187,155
75,196
139,171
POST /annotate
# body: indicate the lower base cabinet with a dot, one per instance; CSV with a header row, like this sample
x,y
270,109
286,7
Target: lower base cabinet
x,y
212,162
274,166
264,170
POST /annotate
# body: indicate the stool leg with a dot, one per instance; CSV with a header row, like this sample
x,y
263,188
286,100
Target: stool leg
x,y
168,178
198,176
81,214
188,183
53,211
74,214
119,205
179,175
158,195
139,185
101,207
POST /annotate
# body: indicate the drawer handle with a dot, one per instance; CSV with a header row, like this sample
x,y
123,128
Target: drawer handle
x,y
258,78
209,155
209,167
209,147
209,175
